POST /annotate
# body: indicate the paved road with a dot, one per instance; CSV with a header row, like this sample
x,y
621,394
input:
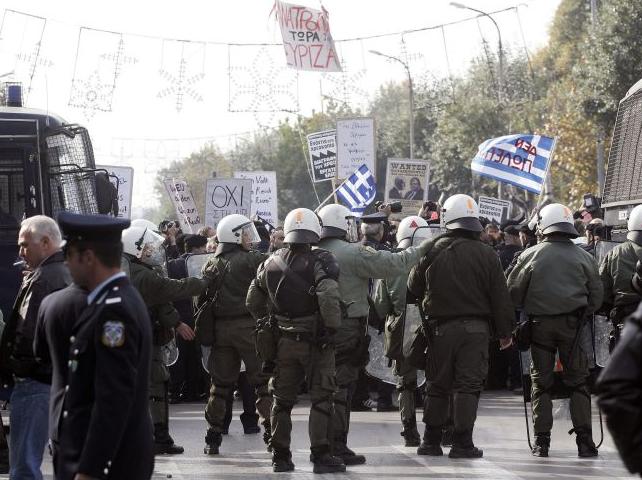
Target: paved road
x,y
500,432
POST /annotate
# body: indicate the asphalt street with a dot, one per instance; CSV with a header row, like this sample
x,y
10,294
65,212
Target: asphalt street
x,y
500,432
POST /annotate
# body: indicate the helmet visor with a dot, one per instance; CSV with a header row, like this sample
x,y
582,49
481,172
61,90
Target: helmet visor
x,y
153,252
352,234
249,233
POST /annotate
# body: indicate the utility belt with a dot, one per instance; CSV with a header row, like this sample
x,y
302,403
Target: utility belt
x,y
523,333
301,324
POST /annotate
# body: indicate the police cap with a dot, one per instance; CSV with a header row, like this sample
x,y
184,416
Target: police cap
x,y
91,228
378,217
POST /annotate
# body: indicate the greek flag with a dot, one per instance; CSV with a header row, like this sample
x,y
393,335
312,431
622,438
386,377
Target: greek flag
x,y
521,160
358,190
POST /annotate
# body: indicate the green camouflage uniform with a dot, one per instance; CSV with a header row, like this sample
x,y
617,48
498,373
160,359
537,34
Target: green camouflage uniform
x,y
616,270
358,264
233,333
557,285
158,292
464,295
299,355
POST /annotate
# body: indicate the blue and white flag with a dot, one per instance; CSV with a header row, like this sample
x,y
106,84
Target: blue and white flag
x,y
358,190
521,160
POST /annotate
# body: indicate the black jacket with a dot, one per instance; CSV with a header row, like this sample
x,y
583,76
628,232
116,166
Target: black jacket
x,y
105,429
16,347
620,393
177,269
56,317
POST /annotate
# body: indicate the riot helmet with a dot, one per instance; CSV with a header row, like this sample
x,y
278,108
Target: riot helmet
x,y
338,222
144,244
412,231
634,225
461,212
141,222
556,218
302,225
237,229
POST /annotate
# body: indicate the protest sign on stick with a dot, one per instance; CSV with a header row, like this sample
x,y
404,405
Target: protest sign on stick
x,y
264,195
181,196
407,182
123,179
494,209
307,40
355,145
225,196
323,155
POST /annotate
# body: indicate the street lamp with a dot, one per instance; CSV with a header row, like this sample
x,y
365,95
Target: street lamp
x,y
410,97
500,74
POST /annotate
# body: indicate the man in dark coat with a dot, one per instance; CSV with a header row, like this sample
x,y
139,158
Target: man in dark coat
x,y
104,429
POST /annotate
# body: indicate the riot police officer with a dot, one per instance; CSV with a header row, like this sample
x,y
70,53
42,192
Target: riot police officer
x,y
556,283
358,264
463,291
390,301
298,287
232,270
616,270
144,249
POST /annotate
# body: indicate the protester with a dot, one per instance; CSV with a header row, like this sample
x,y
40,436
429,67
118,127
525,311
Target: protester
x,y
276,239
39,240
206,232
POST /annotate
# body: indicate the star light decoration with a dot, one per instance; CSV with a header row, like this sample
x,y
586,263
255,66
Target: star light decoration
x,y
181,83
95,92
345,86
263,87
91,94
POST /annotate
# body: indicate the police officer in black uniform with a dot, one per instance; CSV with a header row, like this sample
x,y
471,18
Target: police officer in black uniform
x,y
104,429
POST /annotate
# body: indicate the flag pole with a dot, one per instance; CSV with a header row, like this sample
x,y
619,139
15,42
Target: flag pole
x,y
546,179
332,194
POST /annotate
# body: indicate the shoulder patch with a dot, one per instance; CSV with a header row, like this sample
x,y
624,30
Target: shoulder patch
x,y
365,248
113,334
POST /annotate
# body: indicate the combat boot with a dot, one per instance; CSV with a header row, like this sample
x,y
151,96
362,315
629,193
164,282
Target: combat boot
x,y
282,460
342,451
463,446
212,442
585,446
324,462
164,443
250,422
430,445
542,444
410,433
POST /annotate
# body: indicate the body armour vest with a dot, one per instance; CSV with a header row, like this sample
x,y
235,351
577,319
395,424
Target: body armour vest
x,y
292,292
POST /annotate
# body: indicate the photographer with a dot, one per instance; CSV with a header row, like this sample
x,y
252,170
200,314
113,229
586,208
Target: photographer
x,y
170,230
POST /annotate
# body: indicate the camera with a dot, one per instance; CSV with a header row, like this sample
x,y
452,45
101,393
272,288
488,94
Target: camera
x,y
395,207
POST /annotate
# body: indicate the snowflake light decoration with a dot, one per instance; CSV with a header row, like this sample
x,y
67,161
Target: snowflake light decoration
x,y
263,85
91,94
345,87
181,83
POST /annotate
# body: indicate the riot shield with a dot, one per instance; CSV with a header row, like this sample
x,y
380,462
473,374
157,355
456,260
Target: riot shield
x,y
412,321
602,248
601,331
205,357
378,365
196,262
170,352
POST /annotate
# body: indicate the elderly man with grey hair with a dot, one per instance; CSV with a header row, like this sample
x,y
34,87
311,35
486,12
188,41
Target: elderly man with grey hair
x,y
39,241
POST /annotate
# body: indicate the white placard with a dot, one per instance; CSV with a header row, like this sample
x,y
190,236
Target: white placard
x,y
225,196
494,209
307,40
323,155
181,196
264,195
125,179
355,145
407,182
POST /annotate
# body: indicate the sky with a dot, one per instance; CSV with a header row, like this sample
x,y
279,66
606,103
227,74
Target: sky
x,y
147,98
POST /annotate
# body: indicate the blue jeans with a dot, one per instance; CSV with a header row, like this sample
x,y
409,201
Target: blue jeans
x,y
29,428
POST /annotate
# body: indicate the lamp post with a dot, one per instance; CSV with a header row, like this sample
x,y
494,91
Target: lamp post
x,y
500,73
411,98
